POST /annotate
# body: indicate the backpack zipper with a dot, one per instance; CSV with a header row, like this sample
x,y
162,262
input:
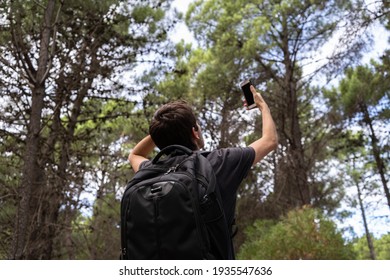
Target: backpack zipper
x,y
157,227
172,169
175,167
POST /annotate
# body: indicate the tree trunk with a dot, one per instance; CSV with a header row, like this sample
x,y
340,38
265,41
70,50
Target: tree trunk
x,y
376,151
293,191
368,235
27,239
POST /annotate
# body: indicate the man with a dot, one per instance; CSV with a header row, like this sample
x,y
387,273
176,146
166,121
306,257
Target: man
x,y
175,123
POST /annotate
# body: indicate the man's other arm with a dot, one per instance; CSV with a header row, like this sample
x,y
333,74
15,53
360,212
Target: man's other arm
x,y
140,152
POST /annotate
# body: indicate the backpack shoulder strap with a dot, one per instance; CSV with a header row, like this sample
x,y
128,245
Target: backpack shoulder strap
x,y
205,172
232,229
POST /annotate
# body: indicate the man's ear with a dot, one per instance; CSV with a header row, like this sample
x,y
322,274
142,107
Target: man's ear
x,y
195,132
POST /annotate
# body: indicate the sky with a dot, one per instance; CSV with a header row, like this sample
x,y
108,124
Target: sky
x,y
181,32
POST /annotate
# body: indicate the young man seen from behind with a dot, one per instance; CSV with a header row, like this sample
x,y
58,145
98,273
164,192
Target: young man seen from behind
x,y
175,124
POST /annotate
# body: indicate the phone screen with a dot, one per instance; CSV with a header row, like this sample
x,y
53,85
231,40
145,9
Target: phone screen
x,y
245,86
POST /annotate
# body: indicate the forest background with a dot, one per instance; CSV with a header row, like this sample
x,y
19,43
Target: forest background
x,y
80,81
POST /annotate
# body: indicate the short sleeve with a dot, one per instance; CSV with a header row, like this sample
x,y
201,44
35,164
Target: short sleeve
x,y
231,166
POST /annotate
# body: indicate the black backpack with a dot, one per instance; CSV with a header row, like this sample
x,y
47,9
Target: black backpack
x,y
172,209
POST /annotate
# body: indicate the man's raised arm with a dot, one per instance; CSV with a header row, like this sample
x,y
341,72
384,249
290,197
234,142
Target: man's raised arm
x,y
269,139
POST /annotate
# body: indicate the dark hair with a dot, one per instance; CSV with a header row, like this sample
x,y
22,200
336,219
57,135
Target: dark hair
x,y
172,124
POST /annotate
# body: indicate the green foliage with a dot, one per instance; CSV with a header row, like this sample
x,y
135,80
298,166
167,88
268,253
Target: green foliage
x,y
7,214
361,86
381,247
92,237
366,86
98,237
302,234
361,100
102,114
9,178
89,116
270,41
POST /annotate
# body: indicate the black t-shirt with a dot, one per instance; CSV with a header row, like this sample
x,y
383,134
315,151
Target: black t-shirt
x,y
231,166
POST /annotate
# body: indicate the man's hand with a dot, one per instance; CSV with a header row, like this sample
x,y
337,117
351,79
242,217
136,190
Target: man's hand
x,y
259,101
140,152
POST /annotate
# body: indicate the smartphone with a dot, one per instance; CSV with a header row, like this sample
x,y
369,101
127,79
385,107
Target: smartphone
x,y
245,87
